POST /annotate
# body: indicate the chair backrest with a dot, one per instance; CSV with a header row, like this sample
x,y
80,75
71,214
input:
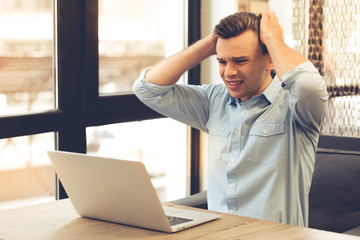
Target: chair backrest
x,y
334,199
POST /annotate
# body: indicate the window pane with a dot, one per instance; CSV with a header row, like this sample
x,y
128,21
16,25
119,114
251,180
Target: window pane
x,y
159,144
26,175
134,35
26,56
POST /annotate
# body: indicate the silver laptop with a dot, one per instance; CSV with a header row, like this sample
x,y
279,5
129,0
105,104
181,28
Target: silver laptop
x,y
119,191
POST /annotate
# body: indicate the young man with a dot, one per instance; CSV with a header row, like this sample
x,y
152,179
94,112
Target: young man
x,y
263,132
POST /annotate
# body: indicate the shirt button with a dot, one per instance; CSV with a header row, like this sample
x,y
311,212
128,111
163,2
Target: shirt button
x,y
232,159
231,185
265,131
245,107
236,132
231,211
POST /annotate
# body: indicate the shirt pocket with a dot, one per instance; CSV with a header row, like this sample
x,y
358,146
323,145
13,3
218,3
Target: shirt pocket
x,y
266,142
218,142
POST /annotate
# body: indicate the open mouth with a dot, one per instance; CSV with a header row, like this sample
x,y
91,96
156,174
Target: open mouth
x,y
235,83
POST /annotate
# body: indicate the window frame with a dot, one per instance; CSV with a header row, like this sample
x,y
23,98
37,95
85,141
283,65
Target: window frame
x,y
78,103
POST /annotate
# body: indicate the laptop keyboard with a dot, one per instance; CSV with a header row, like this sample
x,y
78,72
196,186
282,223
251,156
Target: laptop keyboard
x,y
178,220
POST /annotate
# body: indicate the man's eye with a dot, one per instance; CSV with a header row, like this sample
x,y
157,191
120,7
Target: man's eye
x,y
222,62
240,62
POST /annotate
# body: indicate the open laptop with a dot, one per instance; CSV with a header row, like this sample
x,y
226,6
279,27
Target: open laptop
x,y
119,191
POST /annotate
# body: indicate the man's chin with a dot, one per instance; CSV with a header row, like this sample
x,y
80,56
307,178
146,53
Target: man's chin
x,y
236,95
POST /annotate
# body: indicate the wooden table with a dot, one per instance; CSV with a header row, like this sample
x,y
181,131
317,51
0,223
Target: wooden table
x,y
58,220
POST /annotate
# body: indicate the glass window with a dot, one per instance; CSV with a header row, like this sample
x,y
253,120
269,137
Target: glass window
x,y
159,144
26,175
26,56
136,35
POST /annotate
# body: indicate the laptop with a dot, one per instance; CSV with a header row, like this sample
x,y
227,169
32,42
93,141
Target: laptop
x,y
119,191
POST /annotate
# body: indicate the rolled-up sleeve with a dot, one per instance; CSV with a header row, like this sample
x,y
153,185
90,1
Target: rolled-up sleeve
x,y
187,104
144,89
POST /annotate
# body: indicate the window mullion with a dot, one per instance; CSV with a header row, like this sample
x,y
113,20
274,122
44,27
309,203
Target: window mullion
x,y
71,40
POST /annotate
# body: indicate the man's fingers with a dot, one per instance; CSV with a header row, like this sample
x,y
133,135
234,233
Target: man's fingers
x,y
269,26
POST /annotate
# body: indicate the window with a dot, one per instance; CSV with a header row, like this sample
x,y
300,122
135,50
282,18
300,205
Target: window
x,y
26,86
26,56
65,109
135,36
26,176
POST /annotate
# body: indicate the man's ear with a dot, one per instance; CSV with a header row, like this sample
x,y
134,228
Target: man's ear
x,y
270,65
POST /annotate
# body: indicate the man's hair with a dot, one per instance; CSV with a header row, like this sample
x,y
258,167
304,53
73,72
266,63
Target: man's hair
x,y
237,23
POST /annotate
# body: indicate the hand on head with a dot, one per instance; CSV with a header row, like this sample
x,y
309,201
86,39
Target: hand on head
x,y
212,39
270,28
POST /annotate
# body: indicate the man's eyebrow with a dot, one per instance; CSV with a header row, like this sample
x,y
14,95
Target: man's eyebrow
x,y
242,58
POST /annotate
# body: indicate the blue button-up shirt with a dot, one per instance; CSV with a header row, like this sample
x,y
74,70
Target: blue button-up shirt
x,y
262,151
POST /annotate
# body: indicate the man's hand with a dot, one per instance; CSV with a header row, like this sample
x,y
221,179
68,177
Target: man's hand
x,y
212,40
270,28
271,35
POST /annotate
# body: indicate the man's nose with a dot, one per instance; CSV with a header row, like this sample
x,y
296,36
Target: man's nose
x,y
230,70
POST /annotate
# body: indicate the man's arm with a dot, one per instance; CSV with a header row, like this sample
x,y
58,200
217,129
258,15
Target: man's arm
x,y
271,34
308,94
169,71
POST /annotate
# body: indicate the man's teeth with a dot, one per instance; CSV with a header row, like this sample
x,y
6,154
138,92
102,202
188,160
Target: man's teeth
x,y
235,83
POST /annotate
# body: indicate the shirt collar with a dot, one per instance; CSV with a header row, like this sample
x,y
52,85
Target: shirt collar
x,y
270,93
232,100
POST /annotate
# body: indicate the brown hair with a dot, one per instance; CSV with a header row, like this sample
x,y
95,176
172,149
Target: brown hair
x,y
237,23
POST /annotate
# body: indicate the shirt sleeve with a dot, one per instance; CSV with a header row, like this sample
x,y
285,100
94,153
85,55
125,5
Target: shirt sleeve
x,y
308,96
185,103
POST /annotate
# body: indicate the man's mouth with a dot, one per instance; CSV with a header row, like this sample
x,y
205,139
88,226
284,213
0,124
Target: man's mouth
x,y
235,83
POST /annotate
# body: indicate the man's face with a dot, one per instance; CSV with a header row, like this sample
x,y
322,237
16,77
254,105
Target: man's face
x,y
242,66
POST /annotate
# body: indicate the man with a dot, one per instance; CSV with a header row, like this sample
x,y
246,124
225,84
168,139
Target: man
x,y
263,132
